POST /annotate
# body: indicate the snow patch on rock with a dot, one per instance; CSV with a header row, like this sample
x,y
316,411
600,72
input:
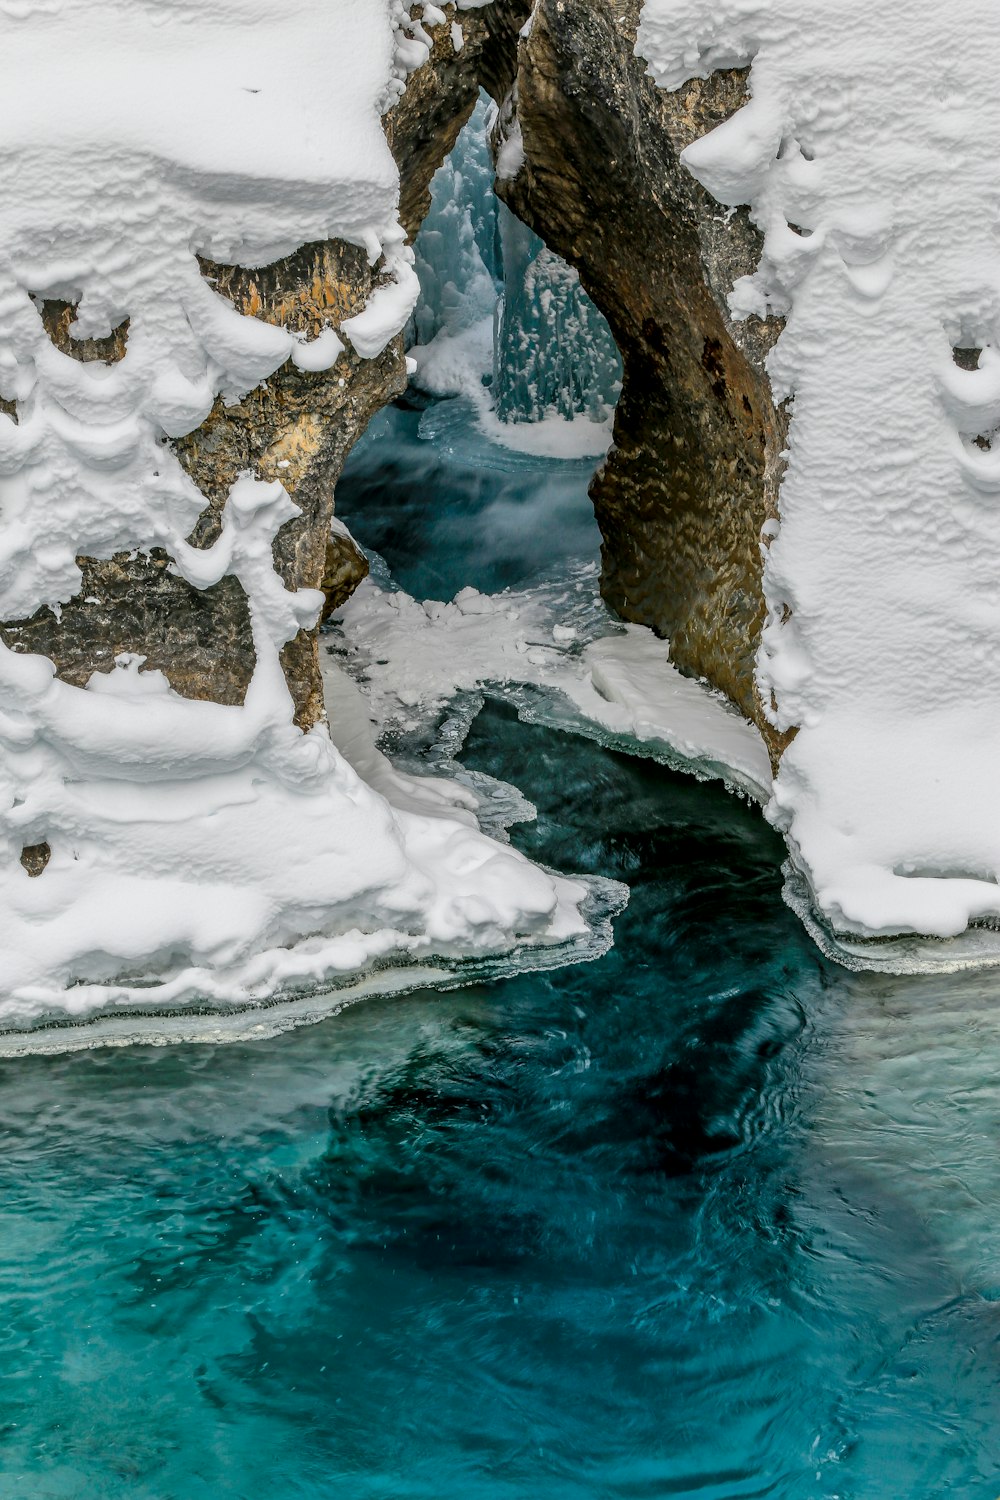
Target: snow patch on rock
x,y
198,852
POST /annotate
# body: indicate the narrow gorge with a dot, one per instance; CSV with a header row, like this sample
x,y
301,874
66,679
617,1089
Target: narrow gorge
x,y
499,875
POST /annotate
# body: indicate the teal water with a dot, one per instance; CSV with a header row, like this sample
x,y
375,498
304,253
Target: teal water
x,y
709,1218
460,511
706,1218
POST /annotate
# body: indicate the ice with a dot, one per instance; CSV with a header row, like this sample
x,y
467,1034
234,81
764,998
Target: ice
x,y
582,671
503,323
554,352
458,256
867,153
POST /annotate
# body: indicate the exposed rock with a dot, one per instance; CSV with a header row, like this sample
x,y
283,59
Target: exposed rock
x,y
298,427
58,317
696,462
132,603
695,466
35,857
346,567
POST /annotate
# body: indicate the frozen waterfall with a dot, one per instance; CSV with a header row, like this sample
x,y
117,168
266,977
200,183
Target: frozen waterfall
x,y
502,321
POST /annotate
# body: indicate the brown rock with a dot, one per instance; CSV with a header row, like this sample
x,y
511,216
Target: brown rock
x,y
34,858
297,426
695,465
346,566
696,462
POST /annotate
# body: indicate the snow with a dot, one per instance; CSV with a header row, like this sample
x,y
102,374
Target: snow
x,y
199,852
452,364
867,153
615,683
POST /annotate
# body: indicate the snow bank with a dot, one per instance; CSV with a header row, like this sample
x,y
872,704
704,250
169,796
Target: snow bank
x,y
868,154
198,852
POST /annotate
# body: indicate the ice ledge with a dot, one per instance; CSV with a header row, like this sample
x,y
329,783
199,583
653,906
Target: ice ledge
x,y
977,947
559,656
156,1023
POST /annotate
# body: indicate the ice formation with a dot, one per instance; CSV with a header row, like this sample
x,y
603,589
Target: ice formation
x,y
553,351
593,676
502,322
198,852
867,152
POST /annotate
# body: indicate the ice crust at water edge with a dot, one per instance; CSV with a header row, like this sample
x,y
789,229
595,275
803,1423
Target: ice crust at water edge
x,y
199,852
614,682
867,153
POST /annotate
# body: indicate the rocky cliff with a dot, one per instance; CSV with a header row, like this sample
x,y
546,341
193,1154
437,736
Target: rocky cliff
x,y
695,463
694,470
297,426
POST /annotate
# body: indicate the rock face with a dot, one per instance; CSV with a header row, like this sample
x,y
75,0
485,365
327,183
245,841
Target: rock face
x,y
298,426
695,466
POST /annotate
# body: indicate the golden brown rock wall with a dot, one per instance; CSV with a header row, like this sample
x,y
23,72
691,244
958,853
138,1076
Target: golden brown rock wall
x,y
696,459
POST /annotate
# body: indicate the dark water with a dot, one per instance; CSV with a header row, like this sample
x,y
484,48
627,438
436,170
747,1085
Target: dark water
x,y
702,1219
462,511
708,1218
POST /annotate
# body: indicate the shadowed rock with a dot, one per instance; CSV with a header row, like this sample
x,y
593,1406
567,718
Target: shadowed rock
x,y
297,426
695,466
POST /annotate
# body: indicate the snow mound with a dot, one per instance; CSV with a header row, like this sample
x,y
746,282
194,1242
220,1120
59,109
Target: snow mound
x,y
867,152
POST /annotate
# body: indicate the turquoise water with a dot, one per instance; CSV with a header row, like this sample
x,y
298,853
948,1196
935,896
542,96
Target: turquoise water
x,y
481,515
708,1218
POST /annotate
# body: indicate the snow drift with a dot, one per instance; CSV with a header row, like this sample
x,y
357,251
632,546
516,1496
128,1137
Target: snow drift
x,y
867,152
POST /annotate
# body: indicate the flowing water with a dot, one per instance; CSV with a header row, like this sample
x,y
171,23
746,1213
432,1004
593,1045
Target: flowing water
x,y
708,1218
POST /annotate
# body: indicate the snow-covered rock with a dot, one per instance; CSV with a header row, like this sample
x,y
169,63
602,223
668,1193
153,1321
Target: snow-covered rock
x,y
176,825
866,151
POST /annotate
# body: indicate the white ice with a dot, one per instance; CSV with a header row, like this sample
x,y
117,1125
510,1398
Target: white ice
x,y
614,682
467,343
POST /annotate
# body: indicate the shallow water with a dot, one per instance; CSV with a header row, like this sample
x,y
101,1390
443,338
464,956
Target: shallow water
x,y
708,1218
